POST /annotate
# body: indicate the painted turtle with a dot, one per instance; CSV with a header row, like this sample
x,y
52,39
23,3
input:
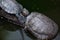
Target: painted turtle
x,y
41,26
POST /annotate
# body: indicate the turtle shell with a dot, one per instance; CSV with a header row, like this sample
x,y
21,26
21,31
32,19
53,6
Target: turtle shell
x,y
41,26
11,6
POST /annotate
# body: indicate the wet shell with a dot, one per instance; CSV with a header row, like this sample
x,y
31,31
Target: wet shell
x,y
11,6
41,26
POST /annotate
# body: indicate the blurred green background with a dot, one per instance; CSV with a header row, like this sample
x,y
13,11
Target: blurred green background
x,y
51,8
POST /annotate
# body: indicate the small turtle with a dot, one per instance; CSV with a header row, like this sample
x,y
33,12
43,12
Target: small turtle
x,y
12,7
41,26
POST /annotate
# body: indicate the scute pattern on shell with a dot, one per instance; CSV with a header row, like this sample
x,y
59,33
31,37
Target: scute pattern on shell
x,y
11,6
41,26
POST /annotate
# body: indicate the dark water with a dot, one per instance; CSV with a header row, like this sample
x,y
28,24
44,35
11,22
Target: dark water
x,y
51,8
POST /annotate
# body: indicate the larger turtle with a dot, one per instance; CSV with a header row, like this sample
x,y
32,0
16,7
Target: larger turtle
x,y
42,27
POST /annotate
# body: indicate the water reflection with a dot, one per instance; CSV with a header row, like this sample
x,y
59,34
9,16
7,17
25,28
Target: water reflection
x,y
15,35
